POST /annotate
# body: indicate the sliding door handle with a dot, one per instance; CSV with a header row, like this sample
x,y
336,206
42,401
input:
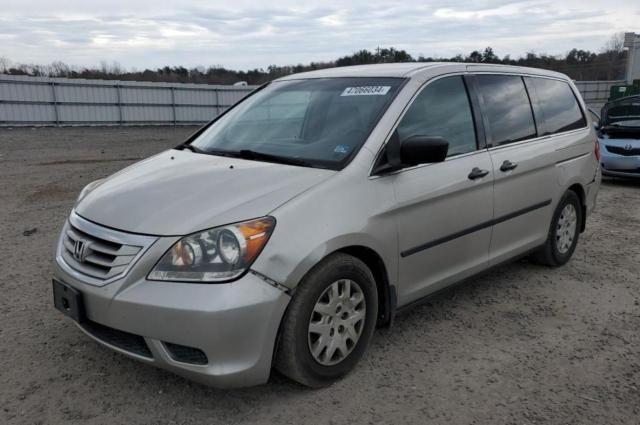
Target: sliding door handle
x,y
508,166
477,173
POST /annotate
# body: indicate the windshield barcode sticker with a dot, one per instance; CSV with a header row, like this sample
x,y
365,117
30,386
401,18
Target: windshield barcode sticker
x,y
366,91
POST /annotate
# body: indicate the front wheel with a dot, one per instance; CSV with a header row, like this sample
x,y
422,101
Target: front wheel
x,y
329,322
564,232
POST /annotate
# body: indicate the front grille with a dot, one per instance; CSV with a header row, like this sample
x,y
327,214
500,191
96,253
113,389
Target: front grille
x,y
96,254
184,354
102,259
124,340
622,151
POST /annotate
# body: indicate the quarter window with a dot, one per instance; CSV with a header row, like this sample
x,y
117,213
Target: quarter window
x,y
558,105
442,109
507,108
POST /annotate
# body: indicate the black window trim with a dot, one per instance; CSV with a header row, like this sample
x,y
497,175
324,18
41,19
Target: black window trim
x,y
476,110
532,95
536,107
481,143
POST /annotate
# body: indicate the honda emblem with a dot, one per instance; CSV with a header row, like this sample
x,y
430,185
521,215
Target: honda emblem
x,y
80,250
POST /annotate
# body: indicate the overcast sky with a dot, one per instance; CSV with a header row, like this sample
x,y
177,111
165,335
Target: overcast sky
x,y
243,34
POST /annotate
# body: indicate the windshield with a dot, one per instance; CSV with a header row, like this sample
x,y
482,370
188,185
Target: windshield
x,y
315,122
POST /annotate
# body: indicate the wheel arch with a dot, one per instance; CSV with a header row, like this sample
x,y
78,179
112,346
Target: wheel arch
x,y
579,190
387,296
386,291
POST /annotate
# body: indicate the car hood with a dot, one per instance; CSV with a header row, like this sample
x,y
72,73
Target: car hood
x,y
181,192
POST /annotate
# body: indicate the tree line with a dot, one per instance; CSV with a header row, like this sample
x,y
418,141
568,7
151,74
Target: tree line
x,y
607,64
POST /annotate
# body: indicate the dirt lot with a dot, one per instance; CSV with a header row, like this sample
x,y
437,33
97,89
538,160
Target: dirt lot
x,y
523,344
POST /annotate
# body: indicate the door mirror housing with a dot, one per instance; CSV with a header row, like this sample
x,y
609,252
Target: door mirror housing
x,y
417,150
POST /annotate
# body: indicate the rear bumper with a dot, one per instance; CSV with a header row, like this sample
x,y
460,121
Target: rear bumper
x,y
234,325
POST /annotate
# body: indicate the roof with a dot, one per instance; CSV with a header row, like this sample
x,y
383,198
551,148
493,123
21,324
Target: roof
x,y
377,70
408,69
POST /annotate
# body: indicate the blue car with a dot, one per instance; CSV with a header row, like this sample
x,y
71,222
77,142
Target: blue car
x,y
619,137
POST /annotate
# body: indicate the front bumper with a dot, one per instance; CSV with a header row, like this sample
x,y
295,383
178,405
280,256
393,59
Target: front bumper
x,y
234,324
619,165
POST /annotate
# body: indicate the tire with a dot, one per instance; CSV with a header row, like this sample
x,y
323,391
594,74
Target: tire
x,y
316,302
562,240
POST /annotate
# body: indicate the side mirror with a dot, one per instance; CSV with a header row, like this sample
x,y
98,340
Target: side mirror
x,y
417,150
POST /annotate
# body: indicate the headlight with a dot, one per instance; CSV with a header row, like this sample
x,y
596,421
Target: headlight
x,y
214,255
88,188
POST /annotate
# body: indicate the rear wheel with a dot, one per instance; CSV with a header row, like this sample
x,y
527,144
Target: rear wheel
x,y
329,322
564,232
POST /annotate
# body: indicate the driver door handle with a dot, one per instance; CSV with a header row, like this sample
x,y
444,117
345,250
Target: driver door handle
x,y
477,173
508,166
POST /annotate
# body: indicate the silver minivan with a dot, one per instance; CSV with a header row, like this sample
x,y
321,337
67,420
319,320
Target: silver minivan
x,y
282,233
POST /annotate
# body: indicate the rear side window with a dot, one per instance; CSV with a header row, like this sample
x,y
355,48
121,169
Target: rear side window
x,y
507,108
558,104
442,109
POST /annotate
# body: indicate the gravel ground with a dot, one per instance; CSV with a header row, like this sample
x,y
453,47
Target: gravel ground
x,y
522,344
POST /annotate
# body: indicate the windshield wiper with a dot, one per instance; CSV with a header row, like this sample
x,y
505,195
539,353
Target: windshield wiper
x,y
247,154
261,156
215,152
188,146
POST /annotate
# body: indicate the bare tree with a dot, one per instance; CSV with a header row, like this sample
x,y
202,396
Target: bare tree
x,y
613,55
5,64
104,67
59,69
117,69
615,44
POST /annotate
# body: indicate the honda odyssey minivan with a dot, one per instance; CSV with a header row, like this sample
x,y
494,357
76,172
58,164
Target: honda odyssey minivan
x,y
282,233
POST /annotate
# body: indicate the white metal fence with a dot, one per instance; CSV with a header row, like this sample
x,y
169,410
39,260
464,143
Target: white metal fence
x,y
60,101
596,93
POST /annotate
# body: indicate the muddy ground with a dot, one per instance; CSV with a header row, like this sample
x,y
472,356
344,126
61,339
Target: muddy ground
x,y
523,344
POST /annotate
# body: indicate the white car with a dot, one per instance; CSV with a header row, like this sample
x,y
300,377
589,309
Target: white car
x,y
619,137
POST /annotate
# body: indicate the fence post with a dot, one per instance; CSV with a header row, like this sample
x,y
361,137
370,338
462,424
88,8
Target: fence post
x,y
217,89
119,101
173,104
55,103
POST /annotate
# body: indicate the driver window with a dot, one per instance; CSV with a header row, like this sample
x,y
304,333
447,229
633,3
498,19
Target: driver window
x,y
442,109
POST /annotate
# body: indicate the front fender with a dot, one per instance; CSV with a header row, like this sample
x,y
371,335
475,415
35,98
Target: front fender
x,y
342,212
321,251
